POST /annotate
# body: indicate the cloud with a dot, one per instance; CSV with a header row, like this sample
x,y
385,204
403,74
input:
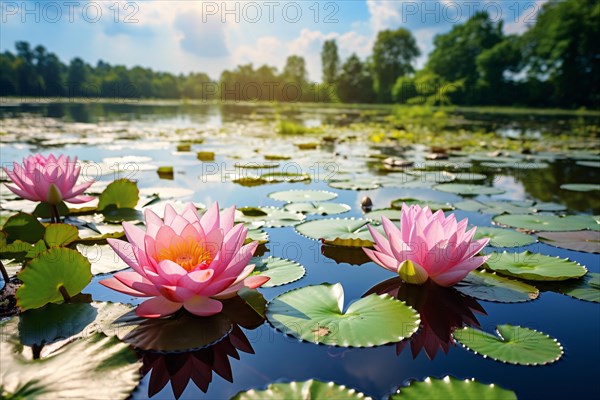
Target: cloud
x,y
267,50
202,39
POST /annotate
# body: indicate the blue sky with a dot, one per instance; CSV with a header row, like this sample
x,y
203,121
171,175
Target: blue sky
x,y
209,36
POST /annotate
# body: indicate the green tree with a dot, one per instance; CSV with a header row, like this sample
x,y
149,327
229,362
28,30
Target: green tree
x,y
563,49
497,68
330,61
393,55
77,78
29,81
455,53
355,84
295,70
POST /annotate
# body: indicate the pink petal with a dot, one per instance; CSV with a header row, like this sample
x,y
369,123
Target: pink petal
x,y
170,271
383,260
196,280
137,282
203,306
227,219
125,252
157,307
134,234
381,243
211,219
113,283
79,199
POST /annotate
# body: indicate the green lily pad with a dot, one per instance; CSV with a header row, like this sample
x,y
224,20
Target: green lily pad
x,y
44,210
433,205
543,222
121,193
257,235
315,314
318,208
44,275
339,232
280,270
534,266
307,390
116,215
24,227
268,217
465,189
513,345
591,164
586,288
103,259
390,213
449,388
503,237
469,176
282,176
57,235
580,187
293,196
355,184
433,176
586,241
491,287
94,367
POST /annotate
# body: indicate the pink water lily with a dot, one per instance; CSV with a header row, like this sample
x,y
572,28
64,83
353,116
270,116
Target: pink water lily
x,y
185,261
427,246
48,179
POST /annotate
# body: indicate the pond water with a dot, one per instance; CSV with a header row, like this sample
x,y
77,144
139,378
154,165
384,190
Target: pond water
x,y
155,135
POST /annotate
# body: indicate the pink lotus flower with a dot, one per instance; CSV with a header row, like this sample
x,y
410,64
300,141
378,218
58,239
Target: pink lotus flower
x,y
427,246
185,261
49,180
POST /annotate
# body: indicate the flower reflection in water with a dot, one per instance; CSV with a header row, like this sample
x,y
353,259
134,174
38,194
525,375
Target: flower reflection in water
x,y
442,311
197,366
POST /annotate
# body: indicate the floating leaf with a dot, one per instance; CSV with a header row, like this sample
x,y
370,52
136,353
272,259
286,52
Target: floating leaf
x,y
315,314
167,192
318,208
580,187
534,266
94,367
257,235
268,217
389,213
491,287
57,235
355,184
433,205
293,196
452,388
280,270
282,176
503,237
122,193
103,259
591,164
43,277
543,222
24,227
586,241
339,232
586,288
433,176
469,176
467,189
307,390
116,215
513,345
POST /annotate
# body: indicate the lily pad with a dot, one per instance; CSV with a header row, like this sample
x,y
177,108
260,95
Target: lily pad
x,y
43,277
586,241
355,184
318,208
534,266
122,193
591,164
280,270
103,259
307,390
450,388
315,314
513,345
587,288
580,187
465,189
257,235
491,287
94,367
24,227
171,192
293,196
390,213
268,217
469,176
339,232
503,237
433,205
57,235
552,223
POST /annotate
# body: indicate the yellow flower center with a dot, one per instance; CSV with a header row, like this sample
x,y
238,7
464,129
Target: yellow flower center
x,y
188,254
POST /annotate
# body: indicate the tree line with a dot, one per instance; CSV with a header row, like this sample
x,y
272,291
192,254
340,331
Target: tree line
x,y
556,62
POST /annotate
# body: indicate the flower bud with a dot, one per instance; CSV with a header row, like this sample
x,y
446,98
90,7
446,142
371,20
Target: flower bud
x,y
412,273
